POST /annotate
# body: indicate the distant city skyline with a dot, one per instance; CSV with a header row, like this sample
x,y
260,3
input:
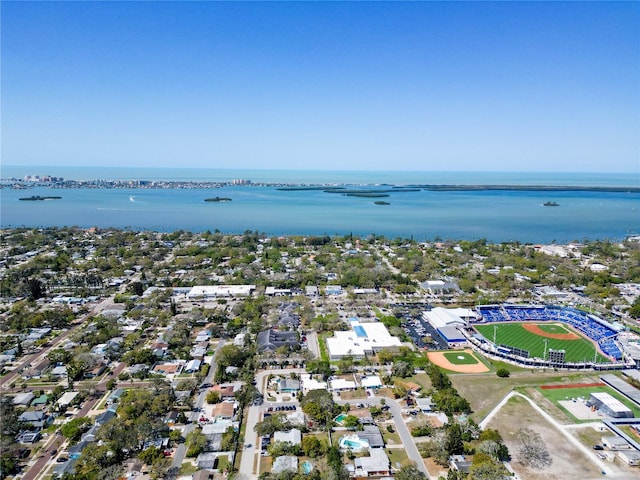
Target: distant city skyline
x,y
416,86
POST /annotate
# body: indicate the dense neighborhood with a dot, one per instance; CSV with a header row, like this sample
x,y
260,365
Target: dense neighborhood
x,y
200,355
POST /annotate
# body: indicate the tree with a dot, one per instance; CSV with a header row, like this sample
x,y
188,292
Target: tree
x,y
196,441
74,429
351,421
400,391
532,450
150,455
213,396
313,447
503,373
453,440
402,369
36,288
410,472
136,288
59,355
485,467
322,367
439,379
634,311
274,423
318,404
495,449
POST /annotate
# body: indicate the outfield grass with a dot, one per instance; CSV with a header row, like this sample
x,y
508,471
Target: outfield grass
x,y
461,358
514,335
557,394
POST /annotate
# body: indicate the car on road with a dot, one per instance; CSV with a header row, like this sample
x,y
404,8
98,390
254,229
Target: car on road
x,y
61,459
248,445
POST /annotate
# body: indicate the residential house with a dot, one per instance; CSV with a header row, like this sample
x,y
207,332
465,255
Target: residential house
x,y
36,418
293,436
224,411
371,433
289,385
377,464
285,463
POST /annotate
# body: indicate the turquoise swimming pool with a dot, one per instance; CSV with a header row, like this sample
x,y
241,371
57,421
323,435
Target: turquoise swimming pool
x,y
307,466
340,418
353,442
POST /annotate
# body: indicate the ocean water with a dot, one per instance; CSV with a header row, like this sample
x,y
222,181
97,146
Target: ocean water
x,y
424,215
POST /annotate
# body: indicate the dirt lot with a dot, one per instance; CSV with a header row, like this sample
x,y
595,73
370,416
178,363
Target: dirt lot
x,y
568,462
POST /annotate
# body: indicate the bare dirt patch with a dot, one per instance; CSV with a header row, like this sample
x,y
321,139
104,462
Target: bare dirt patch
x,y
439,359
535,329
572,385
568,462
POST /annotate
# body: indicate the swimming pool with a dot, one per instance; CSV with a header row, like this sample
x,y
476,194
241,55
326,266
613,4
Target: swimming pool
x,y
307,466
353,442
340,418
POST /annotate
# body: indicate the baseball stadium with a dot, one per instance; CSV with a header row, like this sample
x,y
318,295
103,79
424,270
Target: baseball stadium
x,y
546,336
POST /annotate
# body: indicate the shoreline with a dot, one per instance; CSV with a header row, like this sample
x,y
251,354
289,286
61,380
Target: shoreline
x,y
327,187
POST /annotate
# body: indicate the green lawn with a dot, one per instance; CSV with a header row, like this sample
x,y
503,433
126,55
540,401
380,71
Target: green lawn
x,y
398,457
514,335
461,358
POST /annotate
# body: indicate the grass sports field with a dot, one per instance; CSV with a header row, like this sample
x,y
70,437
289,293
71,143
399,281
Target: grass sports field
x,y
558,394
578,349
461,358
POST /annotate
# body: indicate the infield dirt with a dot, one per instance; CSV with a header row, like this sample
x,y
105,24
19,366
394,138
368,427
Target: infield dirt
x,y
534,328
439,359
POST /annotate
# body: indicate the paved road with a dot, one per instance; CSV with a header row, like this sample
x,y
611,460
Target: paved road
x,y
181,450
249,454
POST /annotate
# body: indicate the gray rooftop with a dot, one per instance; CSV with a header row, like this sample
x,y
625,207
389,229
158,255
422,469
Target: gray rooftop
x,y
632,393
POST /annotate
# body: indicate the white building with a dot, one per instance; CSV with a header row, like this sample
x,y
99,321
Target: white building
x,y
361,340
372,381
66,399
214,291
293,436
340,384
449,317
308,383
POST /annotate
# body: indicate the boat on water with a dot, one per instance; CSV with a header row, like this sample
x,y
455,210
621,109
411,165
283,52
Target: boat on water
x,y
217,199
550,204
33,198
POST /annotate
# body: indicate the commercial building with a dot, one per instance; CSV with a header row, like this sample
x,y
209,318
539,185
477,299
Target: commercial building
x,y
361,340
609,406
215,291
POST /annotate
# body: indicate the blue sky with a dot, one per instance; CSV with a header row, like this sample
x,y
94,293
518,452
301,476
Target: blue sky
x,y
502,86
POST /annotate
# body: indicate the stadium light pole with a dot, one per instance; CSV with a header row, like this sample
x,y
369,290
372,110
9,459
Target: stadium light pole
x,y
495,329
544,355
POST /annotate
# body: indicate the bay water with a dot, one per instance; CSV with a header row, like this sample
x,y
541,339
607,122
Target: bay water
x,y
423,215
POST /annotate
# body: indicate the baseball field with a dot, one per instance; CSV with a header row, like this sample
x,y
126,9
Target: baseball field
x,y
536,338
